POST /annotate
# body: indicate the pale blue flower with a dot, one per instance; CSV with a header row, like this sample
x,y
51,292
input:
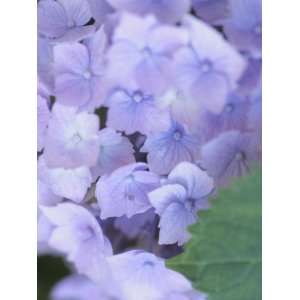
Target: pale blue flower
x,y
78,235
79,72
72,139
209,68
244,27
229,155
142,52
125,191
168,148
178,201
64,20
131,110
67,183
43,116
142,275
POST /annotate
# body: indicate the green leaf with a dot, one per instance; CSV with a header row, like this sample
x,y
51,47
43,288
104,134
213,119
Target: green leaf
x,y
223,257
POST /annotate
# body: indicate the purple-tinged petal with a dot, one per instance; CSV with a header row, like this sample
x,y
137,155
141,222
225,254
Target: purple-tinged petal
x,y
196,181
52,19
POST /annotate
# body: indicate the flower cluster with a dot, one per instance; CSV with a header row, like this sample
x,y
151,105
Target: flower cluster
x,y
145,108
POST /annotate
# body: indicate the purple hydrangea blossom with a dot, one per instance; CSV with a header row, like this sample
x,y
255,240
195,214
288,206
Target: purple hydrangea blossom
x,y
233,117
43,116
72,138
244,27
169,11
140,276
64,20
133,111
142,52
125,191
115,151
178,201
168,148
78,234
229,155
211,11
209,68
79,72
67,183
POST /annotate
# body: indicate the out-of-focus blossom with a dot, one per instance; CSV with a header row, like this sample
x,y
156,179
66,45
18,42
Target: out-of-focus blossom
x,y
142,52
115,151
125,191
79,72
140,276
72,138
64,20
244,27
67,183
178,201
211,11
209,68
169,11
131,110
78,235
190,295
229,155
168,148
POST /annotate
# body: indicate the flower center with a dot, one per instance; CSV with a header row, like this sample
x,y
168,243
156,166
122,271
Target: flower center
x,y
137,97
177,135
229,107
206,66
87,74
240,156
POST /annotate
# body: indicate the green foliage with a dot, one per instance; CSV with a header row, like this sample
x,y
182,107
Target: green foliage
x,y
223,257
49,271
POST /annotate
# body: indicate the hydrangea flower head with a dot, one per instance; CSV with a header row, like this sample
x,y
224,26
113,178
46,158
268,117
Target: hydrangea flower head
x,y
168,148
79,72
64,20
142,52
72,139
140,276
131,110
209,68
78,235
178,201
125,191
244,27
169,11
